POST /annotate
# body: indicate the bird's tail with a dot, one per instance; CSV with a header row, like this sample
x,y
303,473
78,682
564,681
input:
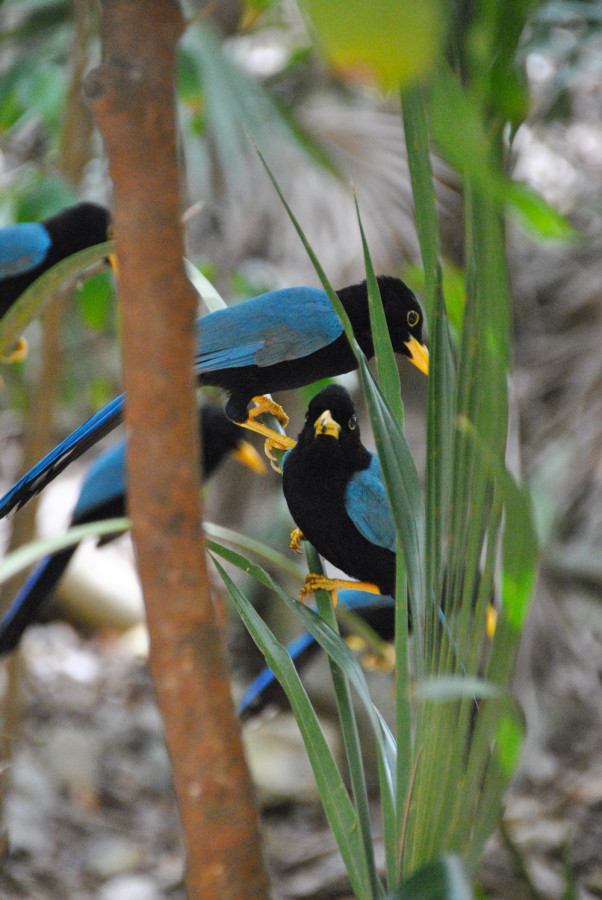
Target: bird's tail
x,y
66,452
38,588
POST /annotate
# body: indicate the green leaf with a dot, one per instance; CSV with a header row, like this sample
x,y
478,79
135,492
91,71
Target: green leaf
x,y
34,299
211,296
339,810
536,216
443,879
30,553
378,41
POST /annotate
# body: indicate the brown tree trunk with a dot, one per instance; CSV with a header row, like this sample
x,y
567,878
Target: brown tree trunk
x,y
132,97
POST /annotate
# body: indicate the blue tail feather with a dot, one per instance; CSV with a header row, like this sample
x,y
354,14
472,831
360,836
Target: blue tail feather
x,y
37,588
100,424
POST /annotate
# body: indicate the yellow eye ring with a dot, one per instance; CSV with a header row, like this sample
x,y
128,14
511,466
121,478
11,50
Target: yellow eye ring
x,y
413,318
352,423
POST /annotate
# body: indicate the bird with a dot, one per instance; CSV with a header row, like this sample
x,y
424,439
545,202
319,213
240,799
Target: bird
x,y
376,610
335,493
103,496
28,249
281,340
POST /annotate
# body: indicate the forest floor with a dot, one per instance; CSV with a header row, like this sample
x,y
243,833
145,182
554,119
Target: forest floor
x,y
89,809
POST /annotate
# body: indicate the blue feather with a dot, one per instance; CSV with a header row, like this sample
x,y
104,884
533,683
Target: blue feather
x,y
71,448
22,247
367,505
104,481
301,320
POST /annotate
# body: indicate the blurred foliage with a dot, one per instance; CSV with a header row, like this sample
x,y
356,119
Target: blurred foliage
x,y
444,768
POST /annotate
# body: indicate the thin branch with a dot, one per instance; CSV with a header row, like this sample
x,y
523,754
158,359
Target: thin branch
x,y
132,97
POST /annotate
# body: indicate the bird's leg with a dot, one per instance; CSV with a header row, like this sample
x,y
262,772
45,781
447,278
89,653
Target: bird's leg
x,y
274,439
296,538
265,404
321,582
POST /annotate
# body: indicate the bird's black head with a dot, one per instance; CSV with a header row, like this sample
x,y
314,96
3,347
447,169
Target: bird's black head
x,y
78,227
404,314
332,416
221,437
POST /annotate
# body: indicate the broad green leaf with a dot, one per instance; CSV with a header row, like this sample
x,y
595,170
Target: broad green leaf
x,y
536,216
377,41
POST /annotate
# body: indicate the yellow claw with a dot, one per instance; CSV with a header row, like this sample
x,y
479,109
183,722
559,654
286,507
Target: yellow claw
x,y
296,538
275,440
315,582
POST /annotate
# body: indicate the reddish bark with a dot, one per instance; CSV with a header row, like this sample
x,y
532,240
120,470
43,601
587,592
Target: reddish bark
x,y
132,97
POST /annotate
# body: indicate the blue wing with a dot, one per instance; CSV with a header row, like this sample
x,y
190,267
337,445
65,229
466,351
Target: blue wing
x,y
366,503
22,247
104,481
271,328
58,459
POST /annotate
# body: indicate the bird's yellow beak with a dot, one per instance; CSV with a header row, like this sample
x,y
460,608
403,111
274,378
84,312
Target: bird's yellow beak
x,y
325,424
246,454
419,354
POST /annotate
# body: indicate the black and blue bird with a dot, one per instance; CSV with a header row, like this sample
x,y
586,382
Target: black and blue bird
x,y
29,249
277,341
103,496
336,496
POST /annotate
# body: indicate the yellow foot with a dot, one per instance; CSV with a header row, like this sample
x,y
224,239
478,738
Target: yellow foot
x,y
321,582
275,440
296,538
265,405
19,352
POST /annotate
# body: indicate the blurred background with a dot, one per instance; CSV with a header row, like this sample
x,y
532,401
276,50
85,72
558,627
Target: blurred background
x,y
86,795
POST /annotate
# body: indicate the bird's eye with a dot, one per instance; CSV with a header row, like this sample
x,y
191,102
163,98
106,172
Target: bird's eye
x,y
352,423
413,318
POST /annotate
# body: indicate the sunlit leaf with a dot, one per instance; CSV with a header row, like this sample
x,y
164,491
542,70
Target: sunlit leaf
x,y
378,41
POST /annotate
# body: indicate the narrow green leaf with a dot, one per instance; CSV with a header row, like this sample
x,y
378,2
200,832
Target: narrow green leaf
x,y
337,806
331,642
30,553
211,297
34,299
443,879
386,366
349,729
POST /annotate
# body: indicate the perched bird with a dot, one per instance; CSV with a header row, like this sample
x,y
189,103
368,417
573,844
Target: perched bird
x,y
378,611
335,493
280,340
28,249
103,496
